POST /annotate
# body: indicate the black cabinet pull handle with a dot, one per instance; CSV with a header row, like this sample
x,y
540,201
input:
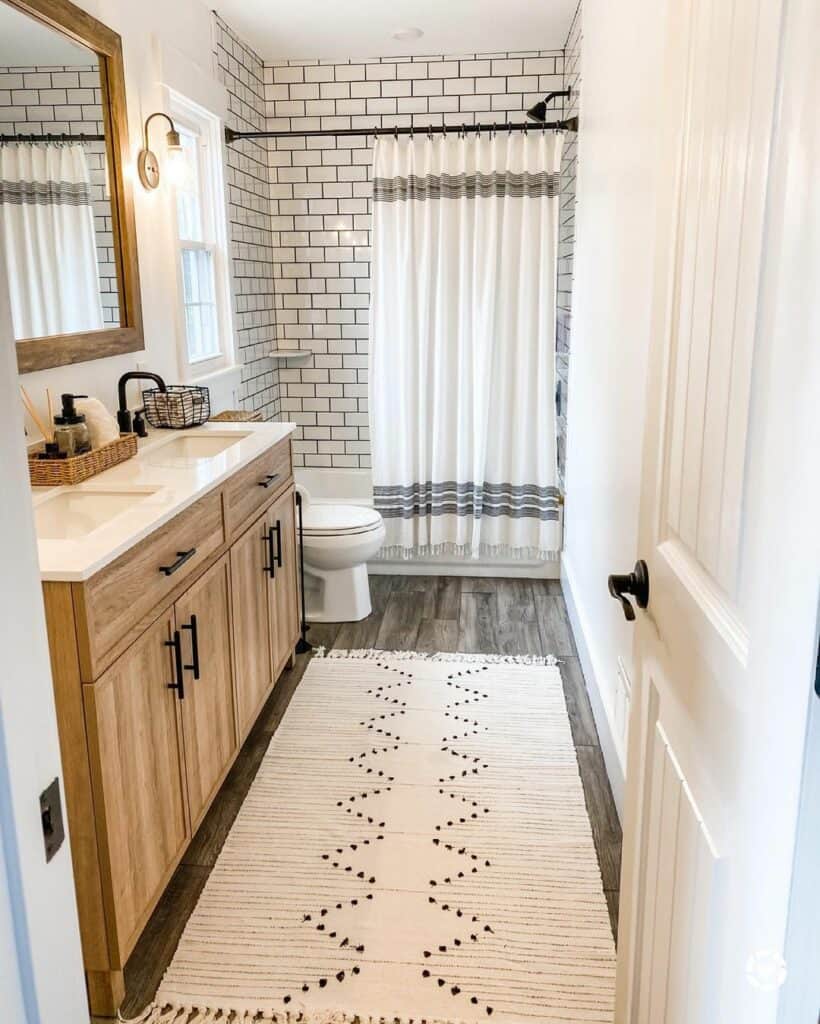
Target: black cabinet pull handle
x,y
278,531
269,479
182,558
267,540
179,684
194,666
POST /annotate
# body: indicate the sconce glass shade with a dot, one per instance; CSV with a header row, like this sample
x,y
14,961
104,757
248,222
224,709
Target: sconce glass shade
x,y
176,162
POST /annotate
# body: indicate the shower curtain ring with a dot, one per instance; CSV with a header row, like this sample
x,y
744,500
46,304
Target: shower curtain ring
x,y
493,133
464,131
396,132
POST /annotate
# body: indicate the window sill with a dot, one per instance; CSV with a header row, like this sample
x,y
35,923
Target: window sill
x,y
227,375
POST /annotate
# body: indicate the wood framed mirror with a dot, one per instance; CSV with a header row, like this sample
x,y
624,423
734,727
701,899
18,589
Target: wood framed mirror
x,y
66,206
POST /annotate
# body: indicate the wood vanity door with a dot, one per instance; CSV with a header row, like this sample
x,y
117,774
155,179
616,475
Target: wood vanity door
x,y
284,591
251,623
135,746
209,731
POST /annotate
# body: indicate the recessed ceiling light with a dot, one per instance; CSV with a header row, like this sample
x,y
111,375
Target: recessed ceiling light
x,y
405,35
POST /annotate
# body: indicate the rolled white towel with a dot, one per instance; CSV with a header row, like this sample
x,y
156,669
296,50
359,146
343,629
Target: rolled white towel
x,y
102,426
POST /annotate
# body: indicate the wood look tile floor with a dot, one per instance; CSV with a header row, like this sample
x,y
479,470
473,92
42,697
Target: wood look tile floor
x,y
423,613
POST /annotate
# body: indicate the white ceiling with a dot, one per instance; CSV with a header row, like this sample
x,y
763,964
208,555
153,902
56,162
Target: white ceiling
x,y
364,28
26,43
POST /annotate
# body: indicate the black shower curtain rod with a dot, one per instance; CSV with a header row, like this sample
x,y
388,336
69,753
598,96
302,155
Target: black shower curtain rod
x,y
60,137
569,125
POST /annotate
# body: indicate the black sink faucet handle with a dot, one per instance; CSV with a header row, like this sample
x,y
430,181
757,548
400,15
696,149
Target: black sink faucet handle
x,y
124,420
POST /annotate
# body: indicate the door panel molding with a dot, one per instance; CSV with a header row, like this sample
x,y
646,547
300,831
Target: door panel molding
x,y
678,882
728,102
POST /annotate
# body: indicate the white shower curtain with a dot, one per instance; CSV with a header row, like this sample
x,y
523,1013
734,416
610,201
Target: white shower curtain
x,y
462,362
47,229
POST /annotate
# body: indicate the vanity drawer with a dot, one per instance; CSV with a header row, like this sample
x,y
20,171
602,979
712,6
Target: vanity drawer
x,y
124,592
254,486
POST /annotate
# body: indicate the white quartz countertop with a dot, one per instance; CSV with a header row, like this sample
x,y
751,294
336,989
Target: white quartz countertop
x,y
136,497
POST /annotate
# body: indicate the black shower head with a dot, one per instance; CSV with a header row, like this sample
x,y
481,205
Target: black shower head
x,y
539,111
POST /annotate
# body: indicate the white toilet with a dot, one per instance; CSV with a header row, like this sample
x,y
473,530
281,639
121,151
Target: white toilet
x,y
338,541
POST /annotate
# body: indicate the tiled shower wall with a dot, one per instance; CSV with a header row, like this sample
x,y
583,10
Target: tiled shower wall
x,y
566,239
254,246
320,205
67,100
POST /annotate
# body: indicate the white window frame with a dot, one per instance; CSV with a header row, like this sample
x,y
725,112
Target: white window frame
x,y
208,127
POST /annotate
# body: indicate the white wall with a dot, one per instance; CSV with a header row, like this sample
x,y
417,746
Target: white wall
x,y
621,54
163,44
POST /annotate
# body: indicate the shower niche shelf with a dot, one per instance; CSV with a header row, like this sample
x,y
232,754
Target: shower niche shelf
x,y
279,354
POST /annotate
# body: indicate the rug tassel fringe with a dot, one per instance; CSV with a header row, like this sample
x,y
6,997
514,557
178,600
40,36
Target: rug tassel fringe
x,y
368,654
165,1014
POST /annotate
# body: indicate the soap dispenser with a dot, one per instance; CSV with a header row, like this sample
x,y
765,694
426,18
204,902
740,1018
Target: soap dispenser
x,y
70,430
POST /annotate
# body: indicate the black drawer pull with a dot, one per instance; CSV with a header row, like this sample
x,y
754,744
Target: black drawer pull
x,y
268,569
194,666
269,479
267,540
278,531
179,684
182,558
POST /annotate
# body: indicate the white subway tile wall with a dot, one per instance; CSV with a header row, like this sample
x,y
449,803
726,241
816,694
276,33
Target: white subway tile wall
x,y
67,100
321,207
254,246
566,238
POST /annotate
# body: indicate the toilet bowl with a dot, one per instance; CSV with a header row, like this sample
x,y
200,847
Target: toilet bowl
x,y
338,541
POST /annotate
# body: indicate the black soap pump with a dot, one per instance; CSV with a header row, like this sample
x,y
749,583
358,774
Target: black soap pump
x,y
70,430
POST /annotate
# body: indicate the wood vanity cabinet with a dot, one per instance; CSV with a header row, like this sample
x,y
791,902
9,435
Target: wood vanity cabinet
x,y
253,639
137,766
265,605
203,631
155,698
282,587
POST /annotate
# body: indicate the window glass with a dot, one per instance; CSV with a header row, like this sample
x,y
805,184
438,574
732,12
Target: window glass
x,y
206,326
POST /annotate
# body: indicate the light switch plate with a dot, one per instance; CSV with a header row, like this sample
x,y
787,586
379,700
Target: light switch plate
x,y
51,815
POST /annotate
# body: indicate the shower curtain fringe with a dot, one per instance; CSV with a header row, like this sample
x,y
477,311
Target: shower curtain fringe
x,y
504,552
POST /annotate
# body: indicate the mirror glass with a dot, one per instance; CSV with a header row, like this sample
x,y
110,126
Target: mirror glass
x,y
57,224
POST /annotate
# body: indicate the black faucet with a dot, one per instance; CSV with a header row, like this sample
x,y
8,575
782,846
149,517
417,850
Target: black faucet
x,y
123,415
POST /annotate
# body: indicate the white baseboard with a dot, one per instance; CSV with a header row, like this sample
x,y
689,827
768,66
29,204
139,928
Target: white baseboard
x,y
483,568
585,642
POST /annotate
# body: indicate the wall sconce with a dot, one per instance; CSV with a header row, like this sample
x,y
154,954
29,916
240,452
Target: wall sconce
x,y
147,162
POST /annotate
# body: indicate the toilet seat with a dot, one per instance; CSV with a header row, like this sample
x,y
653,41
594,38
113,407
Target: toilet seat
x,y
329,520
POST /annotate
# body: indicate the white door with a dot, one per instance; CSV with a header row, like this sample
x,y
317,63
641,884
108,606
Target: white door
x,y
728,520
39,933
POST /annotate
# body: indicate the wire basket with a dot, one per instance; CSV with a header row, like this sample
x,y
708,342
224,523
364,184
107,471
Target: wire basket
x,y
55,472
178,407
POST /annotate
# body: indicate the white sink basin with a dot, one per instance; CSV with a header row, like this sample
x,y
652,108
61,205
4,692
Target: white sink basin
x,y
193,447
73,514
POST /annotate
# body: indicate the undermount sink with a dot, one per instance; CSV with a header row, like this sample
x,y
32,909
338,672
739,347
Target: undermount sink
x,y
192,447
73,514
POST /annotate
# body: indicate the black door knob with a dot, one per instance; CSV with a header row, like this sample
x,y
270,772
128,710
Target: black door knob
x,y
635,583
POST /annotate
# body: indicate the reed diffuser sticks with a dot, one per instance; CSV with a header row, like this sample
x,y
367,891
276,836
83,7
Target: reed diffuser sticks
x,y
31,409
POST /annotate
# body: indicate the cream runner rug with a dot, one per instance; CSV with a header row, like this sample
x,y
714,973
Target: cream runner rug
x,y
415,847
